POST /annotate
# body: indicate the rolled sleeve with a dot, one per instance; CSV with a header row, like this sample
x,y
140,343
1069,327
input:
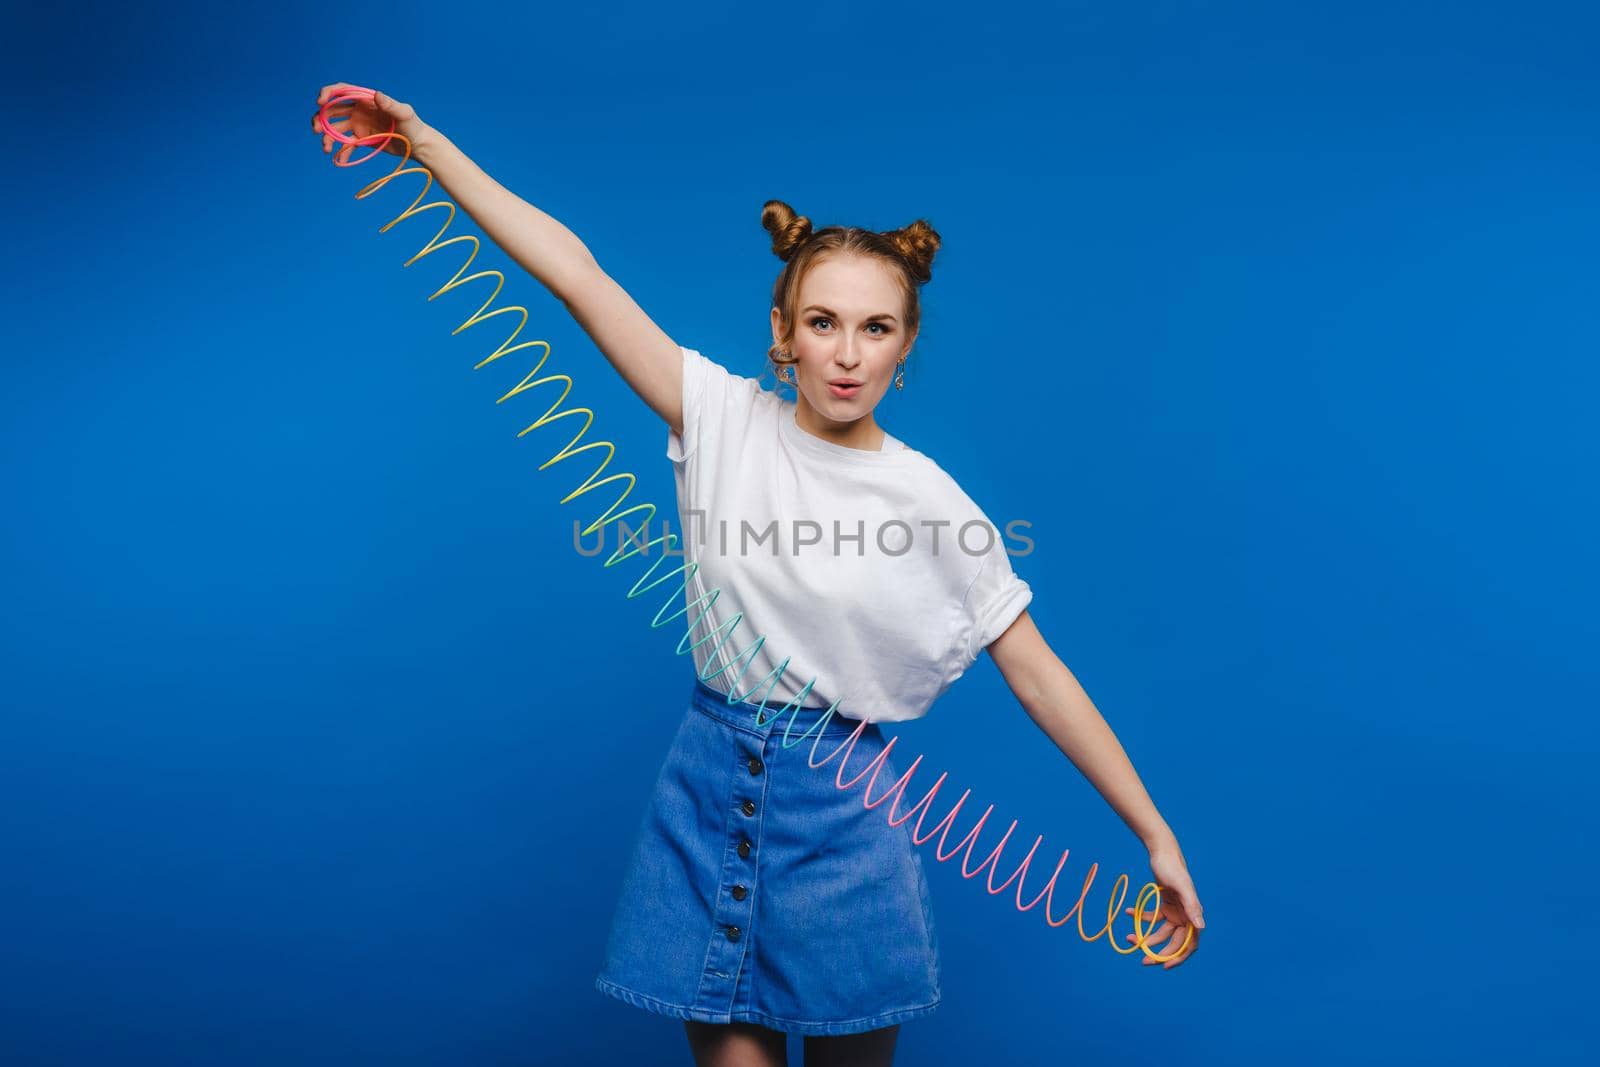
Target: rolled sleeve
x,y
993,602
696,369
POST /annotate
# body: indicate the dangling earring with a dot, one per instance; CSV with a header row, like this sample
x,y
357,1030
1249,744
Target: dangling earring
x,y
783,371
900,375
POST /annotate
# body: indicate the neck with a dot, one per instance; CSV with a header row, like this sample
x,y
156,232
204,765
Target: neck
x,y
864,433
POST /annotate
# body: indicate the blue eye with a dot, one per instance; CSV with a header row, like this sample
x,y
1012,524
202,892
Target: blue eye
x,y
882,327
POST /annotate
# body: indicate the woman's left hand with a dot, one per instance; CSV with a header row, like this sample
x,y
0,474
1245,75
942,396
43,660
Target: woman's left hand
x,y
1179,909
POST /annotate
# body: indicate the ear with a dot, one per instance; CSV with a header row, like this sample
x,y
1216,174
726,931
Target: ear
x,y
909,342
777,325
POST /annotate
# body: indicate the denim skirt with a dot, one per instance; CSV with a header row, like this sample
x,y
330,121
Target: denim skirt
x,y
758,891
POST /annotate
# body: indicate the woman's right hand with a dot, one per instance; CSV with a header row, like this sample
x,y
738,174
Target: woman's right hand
x,y
1180,913
363,117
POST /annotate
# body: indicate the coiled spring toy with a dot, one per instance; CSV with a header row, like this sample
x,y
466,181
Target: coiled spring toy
x,y
897,791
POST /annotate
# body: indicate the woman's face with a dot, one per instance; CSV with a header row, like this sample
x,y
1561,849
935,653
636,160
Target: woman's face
x,y
850,326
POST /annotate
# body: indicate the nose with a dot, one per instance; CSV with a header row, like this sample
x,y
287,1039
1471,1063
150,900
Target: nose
x,y
846,355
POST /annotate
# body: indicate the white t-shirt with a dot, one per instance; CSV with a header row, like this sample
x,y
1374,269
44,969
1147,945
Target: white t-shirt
x,y
871,572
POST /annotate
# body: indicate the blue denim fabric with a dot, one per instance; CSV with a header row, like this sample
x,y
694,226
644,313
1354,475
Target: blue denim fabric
x,y
834,933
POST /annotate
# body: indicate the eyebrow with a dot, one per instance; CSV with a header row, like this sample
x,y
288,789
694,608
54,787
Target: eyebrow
x,y
835,314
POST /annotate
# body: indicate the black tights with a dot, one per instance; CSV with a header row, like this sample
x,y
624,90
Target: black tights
x,y
749,1045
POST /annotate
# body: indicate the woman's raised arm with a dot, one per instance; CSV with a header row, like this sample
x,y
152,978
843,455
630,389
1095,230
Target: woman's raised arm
x,y
648,360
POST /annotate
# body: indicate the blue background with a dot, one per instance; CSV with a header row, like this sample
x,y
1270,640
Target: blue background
x,y
1277,322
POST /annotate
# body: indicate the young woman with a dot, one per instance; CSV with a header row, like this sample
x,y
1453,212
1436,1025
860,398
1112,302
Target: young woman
x,y
760,898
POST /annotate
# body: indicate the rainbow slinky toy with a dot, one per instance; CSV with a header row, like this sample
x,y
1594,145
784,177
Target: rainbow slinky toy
x,y
897,790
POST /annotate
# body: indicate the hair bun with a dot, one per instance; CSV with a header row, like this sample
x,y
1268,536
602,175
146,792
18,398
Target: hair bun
x,y
789,231
916,243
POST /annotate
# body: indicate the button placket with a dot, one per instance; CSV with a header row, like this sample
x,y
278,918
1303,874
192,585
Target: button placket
x,y
730,937
753,811
739,890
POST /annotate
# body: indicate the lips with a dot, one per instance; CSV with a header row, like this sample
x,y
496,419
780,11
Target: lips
x,y
844,382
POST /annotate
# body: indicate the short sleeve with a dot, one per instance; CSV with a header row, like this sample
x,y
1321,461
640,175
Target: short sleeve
x,y
993,601
711,397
